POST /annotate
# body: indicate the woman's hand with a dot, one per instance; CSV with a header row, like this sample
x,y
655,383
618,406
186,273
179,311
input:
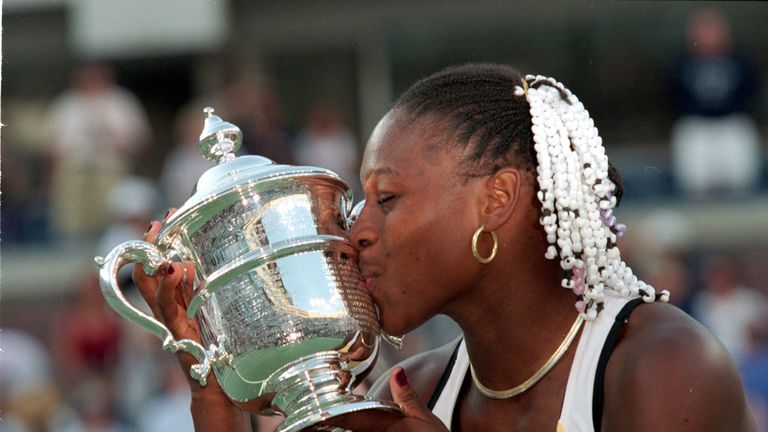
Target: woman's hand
x,y
168,293
416,416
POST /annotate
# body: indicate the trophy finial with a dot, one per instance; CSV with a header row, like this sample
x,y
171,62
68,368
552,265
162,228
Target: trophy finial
x,y
219,140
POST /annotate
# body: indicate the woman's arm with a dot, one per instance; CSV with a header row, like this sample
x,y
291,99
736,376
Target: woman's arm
x,y
213,412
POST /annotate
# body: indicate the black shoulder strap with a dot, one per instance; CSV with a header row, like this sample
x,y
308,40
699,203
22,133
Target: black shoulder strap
x,y
610,343
444,378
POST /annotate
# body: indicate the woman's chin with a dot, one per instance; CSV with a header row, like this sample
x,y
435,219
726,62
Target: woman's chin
x,y
395,326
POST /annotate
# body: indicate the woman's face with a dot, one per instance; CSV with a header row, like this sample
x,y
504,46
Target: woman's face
x,y
415,229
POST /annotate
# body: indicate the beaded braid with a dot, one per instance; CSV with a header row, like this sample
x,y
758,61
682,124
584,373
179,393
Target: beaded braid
x,y
577,199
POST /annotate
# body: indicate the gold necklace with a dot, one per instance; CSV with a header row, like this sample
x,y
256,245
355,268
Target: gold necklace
x,y
514,391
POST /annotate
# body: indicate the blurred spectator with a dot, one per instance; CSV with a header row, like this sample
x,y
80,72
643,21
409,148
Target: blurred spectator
x,y
93,400
87,335
96,129
670,272
184,165
142,366
131,204
29,400
659,247
254,107
326,142
715,142
754,371
168,410
18,223
726,307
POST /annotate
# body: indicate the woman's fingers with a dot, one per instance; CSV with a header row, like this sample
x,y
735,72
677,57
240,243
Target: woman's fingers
x,y
146,284
405,396
167,291
187,283
415,416
173,296
169,213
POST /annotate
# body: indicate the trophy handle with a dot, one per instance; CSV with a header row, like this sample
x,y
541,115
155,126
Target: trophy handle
x,y
152,259
355,212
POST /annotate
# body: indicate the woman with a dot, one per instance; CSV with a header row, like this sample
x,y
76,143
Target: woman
x,y
487,194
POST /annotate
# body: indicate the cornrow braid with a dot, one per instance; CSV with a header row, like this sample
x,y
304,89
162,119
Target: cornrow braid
x,y
543,128
491,125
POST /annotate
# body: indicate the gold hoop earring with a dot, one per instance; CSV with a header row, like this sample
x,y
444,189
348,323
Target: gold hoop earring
x,y
475,252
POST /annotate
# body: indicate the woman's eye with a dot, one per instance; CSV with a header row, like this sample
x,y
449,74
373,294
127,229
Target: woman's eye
x,y
385,198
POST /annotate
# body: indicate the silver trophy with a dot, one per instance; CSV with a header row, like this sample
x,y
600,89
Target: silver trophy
x,y
276,283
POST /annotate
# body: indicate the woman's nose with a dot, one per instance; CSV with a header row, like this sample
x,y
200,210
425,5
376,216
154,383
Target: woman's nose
x,y
362,235
363,243
362,232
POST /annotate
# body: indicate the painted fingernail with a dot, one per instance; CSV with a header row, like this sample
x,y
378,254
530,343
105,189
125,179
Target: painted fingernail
x,y
148,228
170,270
401,379
166,214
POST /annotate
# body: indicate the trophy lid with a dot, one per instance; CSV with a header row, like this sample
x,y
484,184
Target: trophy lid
x,y
234,175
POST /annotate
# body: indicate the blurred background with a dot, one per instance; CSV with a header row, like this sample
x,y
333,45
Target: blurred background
x,y
102,106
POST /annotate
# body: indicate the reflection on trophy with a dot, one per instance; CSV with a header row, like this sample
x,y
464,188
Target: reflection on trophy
x,y
276,283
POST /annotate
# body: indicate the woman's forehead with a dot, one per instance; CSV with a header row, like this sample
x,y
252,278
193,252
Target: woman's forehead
x,y
399,145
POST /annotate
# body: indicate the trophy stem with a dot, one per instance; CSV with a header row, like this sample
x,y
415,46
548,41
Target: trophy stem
x,y
316,388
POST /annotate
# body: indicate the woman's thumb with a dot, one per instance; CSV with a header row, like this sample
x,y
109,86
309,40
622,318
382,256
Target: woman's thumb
x,y
404,395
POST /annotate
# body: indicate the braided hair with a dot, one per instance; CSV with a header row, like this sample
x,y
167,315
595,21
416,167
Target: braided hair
x,y
497,118
489,122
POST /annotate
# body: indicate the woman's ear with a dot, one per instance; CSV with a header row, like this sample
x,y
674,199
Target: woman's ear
x,y
502,195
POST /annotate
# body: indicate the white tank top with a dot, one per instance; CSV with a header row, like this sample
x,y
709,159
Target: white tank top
x,y
583,401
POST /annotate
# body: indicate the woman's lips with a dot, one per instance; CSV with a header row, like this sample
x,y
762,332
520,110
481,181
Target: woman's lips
x,y
366,283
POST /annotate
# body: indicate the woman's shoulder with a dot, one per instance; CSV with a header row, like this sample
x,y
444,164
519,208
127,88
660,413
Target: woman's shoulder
x,y
659,333
670,373
423,370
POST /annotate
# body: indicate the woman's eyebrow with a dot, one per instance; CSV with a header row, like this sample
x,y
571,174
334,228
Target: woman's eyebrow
x,y
382,171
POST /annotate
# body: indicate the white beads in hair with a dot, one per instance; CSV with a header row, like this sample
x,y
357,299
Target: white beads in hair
x,y
576,199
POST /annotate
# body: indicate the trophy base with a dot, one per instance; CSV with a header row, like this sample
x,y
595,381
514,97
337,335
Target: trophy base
x,y
298,421
316,388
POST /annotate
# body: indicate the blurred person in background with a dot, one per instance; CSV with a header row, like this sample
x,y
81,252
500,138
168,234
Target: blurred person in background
x,y
94,402
716,148
19,201
475,160
96,130
183,166
672,272
660,245
253,105
168,409
128,353
131,203
325,141
30,401
87,335
141,369
754,370
727,307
